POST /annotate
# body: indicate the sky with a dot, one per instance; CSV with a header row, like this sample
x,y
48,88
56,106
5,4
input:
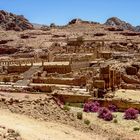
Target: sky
x,y
61,12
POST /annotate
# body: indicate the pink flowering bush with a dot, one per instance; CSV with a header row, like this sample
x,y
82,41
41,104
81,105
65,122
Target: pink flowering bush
x,y
105,113
112,108
91,106
131,114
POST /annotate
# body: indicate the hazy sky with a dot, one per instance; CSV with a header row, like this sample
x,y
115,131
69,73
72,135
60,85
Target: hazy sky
x,y
62,11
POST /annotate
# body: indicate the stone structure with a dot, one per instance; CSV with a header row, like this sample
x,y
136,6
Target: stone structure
x,y
105,54
111,77
81,81
61,68
19,62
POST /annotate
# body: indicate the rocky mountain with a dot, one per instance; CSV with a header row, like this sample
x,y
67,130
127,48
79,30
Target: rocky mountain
x,y
116,22
137,28
9,21
37,26
78,21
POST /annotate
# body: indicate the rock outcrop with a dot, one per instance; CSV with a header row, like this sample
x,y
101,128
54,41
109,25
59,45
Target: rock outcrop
x,y
78,21
9,21
118,23
6,49
137,28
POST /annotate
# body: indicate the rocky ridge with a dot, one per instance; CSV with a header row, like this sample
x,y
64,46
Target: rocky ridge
x,y
9,21
118,23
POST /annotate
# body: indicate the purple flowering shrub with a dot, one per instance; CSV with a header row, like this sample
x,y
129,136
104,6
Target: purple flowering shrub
x,y
112,108
91,106
131,114
105,113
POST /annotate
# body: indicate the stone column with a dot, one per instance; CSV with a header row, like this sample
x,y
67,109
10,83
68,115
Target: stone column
x,y
42,62
31,63
8,63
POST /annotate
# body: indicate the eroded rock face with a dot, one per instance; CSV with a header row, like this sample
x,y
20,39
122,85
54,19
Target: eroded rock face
x,y
9,21
130,33
78,20
116,22
5,49
131,70
75,21
130,80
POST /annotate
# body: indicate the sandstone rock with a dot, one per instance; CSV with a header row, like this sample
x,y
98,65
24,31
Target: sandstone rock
x,y
130,80
130,33
75,21
131,70
11,21
113,29
5,41
118,23
128,86
137,66
6,49
11,131
99,34
24,36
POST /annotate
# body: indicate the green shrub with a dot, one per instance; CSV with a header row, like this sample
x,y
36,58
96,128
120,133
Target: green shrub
x,y
87,122
66,108
80,105
79,115
136,128
115,121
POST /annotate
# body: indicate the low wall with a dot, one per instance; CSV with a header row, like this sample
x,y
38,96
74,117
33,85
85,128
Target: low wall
x,y
62,81
72,98
61,69
79,65
122,105
42,88
17,69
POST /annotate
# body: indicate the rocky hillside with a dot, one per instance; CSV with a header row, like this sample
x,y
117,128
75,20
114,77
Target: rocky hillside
x,y
78,21
9,21
137,28
120,24
116,22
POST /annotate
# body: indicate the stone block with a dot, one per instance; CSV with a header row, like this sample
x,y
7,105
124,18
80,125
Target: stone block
x,y
99,84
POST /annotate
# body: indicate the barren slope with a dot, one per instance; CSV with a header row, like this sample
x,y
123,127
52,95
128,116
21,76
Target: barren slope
x,y
31,129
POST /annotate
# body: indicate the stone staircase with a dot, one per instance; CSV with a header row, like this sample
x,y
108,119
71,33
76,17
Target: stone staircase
x,y
27,76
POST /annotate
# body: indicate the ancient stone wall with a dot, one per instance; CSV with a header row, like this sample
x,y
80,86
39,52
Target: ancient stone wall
x,y
79,65
109,78
61,69
72,98
122,105
42,88
105,55
61,81
18,62
17,69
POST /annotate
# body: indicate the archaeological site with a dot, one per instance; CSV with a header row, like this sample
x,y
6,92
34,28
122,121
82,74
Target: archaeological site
x,y
78,81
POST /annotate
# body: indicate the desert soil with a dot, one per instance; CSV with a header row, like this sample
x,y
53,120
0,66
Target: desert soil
x,y
31,129
133,95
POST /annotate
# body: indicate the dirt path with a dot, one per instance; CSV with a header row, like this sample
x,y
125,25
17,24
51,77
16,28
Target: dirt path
x,y
31,129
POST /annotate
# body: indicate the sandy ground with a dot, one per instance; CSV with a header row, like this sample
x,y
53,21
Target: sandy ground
x,y
31,129
128,94
121,128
